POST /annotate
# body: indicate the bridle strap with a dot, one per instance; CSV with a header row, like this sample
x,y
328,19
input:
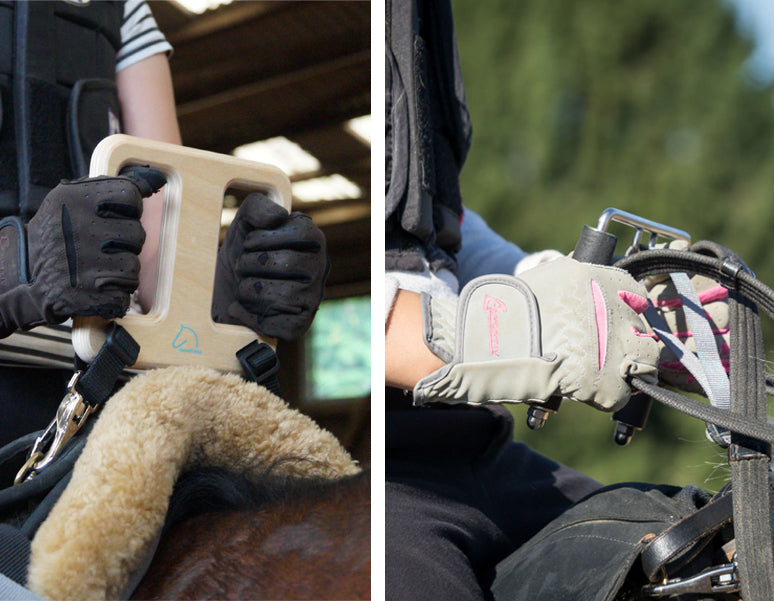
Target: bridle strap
x,y
751,435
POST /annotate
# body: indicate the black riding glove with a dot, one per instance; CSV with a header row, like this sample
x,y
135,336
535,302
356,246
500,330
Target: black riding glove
x,y
78,254
271,270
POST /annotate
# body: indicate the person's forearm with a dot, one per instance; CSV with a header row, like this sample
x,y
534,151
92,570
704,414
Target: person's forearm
x,y
148,100
407,357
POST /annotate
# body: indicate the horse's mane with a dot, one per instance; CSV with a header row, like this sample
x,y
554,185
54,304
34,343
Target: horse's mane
x,y
212,489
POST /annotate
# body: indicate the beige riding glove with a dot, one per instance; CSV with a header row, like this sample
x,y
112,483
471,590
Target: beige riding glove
x,y
563,328
682,314
713,299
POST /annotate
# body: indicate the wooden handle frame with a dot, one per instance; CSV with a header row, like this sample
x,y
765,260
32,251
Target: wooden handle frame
x,y
178,329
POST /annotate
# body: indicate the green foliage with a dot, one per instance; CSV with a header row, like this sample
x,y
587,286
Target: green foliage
x,y
339,350
581,105
671,449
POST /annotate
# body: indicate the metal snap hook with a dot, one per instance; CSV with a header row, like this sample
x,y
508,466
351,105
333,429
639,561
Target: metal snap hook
x,y
70,417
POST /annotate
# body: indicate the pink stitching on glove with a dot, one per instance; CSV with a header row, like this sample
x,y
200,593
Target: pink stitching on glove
x,y
637,302
724,347
710,295
645,334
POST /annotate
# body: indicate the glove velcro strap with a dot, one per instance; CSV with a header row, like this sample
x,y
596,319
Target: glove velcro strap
x,y
13,253
438,318
496,330
498,317
19,309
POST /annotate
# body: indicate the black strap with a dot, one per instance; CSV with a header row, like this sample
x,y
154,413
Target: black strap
x,y
679,544
676,546
98,382
749,459
261,365
707,413
727,271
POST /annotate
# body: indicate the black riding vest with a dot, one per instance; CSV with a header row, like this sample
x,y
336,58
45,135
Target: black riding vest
x,y
58,96
428,134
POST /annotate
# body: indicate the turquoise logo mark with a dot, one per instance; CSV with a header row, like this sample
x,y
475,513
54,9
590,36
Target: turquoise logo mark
x,y
186,341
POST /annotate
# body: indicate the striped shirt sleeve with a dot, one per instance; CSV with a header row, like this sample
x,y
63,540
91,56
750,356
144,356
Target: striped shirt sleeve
x,y
44,346
140,35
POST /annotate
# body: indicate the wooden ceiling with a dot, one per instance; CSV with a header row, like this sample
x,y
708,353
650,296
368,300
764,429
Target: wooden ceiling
x,y
254,70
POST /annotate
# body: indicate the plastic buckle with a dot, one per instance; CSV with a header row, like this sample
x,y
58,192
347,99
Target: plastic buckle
x,y
261,364
70,417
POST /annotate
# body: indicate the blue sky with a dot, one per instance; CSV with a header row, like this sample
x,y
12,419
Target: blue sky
x,y
755,18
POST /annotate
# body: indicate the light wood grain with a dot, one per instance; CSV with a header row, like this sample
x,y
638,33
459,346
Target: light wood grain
x,y
178,329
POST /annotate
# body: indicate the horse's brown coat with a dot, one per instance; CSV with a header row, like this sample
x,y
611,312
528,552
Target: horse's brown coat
x,y
314,547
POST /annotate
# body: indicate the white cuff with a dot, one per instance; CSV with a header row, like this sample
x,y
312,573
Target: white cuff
x,y
442,284
535,259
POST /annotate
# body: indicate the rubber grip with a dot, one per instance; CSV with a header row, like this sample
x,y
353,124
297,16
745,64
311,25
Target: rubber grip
x,y
595,246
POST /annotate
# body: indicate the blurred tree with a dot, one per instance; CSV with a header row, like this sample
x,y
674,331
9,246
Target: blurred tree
x,y
339,350
580,105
